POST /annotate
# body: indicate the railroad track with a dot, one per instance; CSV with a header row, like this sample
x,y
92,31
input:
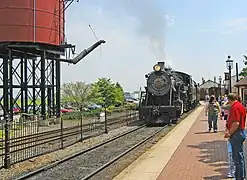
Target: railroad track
x,y
85,164
89,163
43,135
46,141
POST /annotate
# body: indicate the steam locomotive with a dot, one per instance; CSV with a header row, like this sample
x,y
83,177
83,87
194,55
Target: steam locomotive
x,y
167,96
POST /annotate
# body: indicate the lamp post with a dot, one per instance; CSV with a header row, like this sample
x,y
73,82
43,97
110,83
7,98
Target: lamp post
x,y
220,79
237,78
224,85
229,65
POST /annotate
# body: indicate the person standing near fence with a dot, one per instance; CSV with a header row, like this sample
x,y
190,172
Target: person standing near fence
x,y
236,134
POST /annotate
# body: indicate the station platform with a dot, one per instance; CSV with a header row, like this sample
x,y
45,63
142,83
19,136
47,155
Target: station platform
x,y
188,152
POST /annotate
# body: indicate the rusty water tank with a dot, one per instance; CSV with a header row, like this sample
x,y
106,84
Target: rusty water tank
x,y
32,21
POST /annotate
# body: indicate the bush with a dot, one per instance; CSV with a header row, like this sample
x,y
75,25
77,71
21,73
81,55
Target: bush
x,y
91,113
77,115
119,109
131,106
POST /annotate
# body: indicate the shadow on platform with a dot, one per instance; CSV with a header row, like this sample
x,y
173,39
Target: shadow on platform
x,y
206,132
214,154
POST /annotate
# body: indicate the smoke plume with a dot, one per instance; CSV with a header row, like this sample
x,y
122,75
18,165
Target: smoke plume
x,y
153,22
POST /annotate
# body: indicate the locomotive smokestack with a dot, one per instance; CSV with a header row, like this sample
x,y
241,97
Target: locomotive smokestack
x,y
161,64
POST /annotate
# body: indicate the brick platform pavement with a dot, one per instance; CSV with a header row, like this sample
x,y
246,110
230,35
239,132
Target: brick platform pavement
x,y
200,156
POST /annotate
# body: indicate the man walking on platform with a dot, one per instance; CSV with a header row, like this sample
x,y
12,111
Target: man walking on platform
x,y
236,134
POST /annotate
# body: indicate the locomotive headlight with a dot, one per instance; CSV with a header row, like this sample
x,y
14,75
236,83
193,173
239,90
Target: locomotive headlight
x,y
157,67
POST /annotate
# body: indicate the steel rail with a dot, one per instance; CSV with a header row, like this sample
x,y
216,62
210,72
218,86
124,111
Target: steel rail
x,y
123,154
45,168
44,136
118,118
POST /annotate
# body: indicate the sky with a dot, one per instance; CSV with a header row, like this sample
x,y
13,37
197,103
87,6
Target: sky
x,y
193,36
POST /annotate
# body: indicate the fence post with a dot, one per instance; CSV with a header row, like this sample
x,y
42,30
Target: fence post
x,y
127,116
81,128
61,135
130,112
7,143
106,130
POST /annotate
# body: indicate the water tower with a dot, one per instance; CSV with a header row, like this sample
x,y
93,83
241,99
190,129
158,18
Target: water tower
x,y
32,37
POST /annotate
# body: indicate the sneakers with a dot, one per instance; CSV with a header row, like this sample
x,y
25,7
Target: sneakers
x,y
215,130
230,175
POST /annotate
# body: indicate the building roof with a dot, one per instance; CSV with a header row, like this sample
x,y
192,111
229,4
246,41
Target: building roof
x,y
242,82
210,81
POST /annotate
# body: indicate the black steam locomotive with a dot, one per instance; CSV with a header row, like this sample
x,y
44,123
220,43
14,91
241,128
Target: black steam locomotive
x,y
167,96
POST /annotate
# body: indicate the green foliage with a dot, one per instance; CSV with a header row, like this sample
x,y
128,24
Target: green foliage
x,y
244,70
119,94
106,93
78,115
103,92
1,134
76,93
131,106
95,112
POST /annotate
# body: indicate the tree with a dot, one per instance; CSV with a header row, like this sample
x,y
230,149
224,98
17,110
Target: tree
x,y
119,94
244,70
78,93
103,92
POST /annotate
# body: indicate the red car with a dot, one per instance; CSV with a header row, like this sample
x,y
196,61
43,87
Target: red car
x,y
64,110
16,110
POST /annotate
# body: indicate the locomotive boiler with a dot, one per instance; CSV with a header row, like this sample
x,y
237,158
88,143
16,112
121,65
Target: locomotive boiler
x,y
189,93
168,94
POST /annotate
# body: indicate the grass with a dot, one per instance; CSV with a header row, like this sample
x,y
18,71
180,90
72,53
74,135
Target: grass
x,y
1,134
38,102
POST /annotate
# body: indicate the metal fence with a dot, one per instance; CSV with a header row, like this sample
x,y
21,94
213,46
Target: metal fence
x,y
29,136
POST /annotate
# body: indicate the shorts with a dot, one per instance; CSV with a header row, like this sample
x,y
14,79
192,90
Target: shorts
x,y
225,117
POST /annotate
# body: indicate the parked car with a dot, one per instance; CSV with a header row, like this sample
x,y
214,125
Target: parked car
x,y
65,110
94,106
16,110
37,109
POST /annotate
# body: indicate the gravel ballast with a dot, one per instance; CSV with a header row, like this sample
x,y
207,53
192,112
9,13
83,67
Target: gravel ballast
x,y
83,165
30,165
